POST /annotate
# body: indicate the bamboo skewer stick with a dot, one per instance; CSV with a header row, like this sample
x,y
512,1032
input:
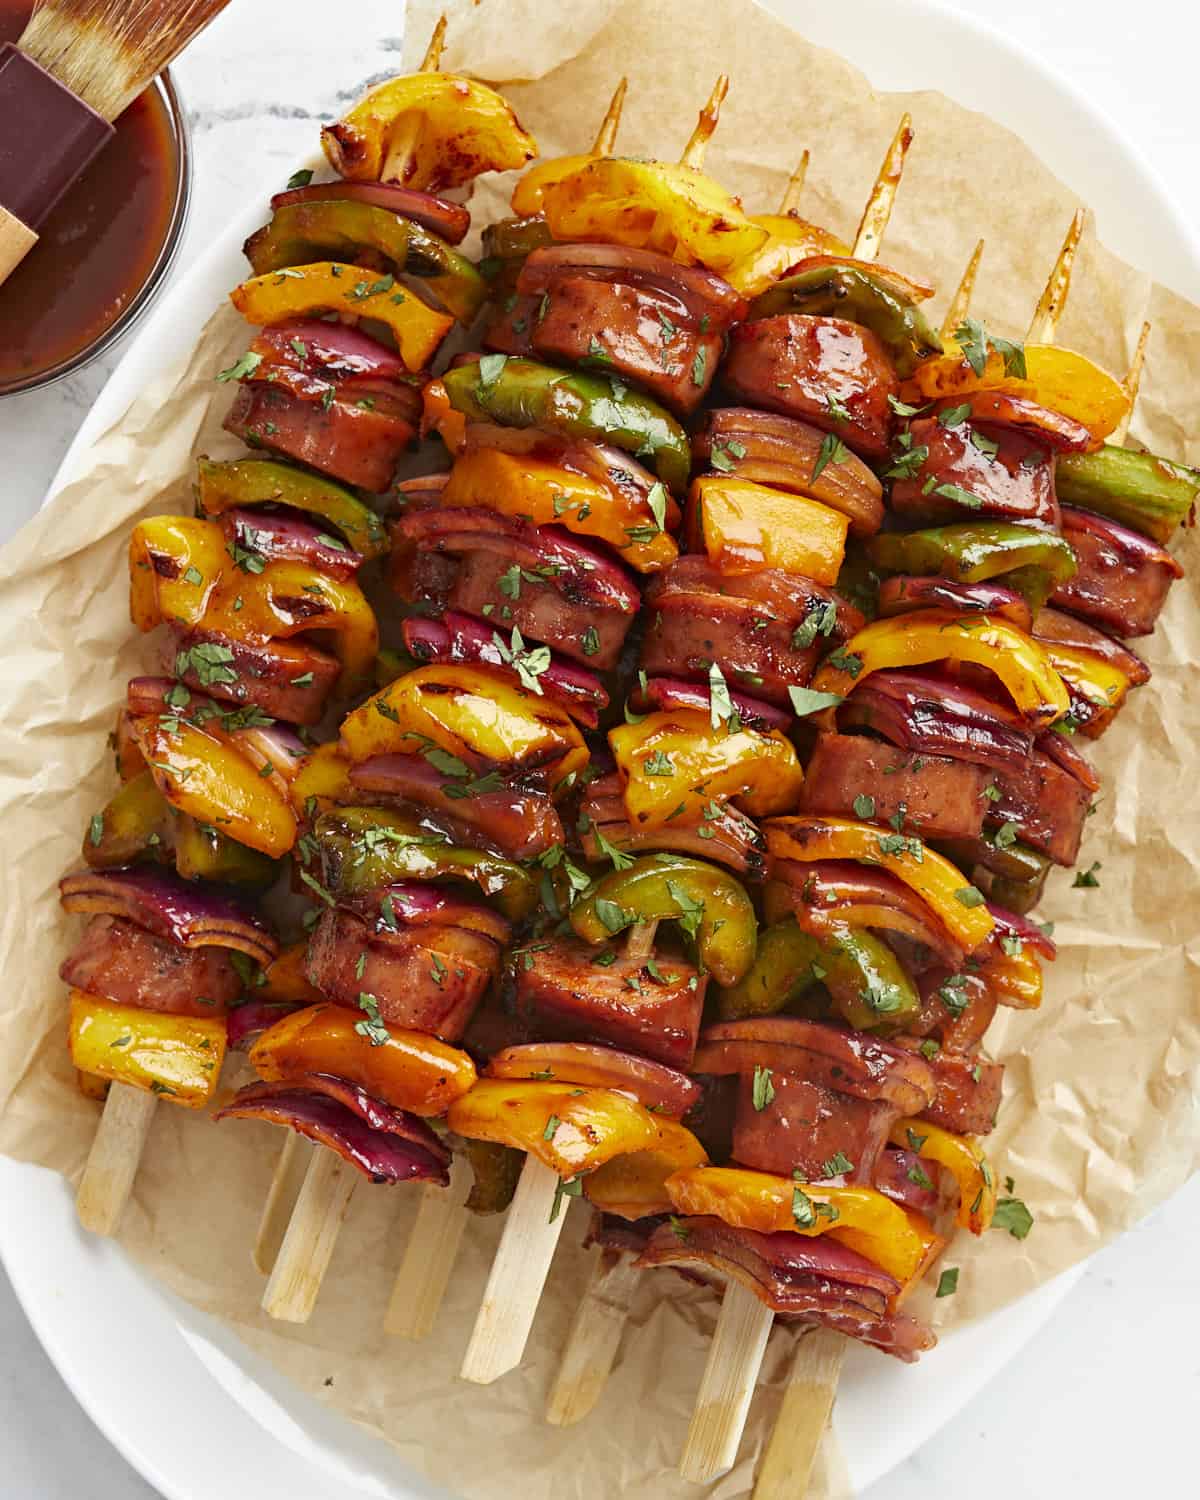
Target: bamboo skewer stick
x,y
960,303
429,1256
1054,298
697,146
790,201
591,1347
744,1323
310,1238
514,1288
285,1188
115,1156
606,136
400,153
1131,385
803,1416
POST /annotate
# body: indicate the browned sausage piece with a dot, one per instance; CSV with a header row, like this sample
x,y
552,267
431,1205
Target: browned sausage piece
x,y
289,679
1013,481
120,961
1122,578
804,1126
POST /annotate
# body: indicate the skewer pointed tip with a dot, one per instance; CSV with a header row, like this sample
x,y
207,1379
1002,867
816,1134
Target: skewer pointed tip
x,y
960,303
1131,385
790,201
882,200
1058,285
693,152
606,136
432,61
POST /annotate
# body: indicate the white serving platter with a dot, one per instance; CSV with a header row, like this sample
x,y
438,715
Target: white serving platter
x,y
186,1404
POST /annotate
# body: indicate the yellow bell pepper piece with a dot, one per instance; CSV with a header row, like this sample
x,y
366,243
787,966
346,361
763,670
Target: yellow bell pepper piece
x,y
466,712
329,286
1023,665
409,1069
634,1185
655,205
1056,378
674,764
201,772
570,1129
790,239
92,1086
178,1057
942,886
325,776
963,1157
463,128
529,194
547,494
745,527
1014,978
1091,678
168,553
900,1243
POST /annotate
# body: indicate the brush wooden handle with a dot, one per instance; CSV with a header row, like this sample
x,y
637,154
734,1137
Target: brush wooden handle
x,y
16,241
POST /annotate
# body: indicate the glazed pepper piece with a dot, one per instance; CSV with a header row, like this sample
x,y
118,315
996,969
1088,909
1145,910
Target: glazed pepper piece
x,y
864,978
1097,688
496,1171
712,906
633,1186
469,723
326,286
1015,979
1013,876
284,980
790,240
1033,560
1151,495
342,229
408,1069
745,527
176,1057
569,1129
878,299
363,849
200,773
203,852
900,1242
463,128
963,1157
137,824
957,905
675,764
547,494
524,393
1020,662
261,481
653,205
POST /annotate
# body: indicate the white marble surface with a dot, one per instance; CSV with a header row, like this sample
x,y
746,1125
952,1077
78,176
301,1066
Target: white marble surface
x,y
1102,1401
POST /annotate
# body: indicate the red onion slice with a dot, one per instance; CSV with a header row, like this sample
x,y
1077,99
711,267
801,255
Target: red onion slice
x,y
1011,924
655,1085
673,692
898,595
450,221
335,349
412,904
934,716
182,911
700,293
288,534
1068,755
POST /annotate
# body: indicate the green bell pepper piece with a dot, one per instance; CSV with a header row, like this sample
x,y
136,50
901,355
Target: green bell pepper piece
x,y
1151,495
863,976
391,664
136,825
202,853
261,481
512,240
709,904
852,292
1012,875
496,1169
1032,561
341,229
524,393
364,848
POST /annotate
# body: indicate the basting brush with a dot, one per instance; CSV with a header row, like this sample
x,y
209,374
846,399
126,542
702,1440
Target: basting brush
x,y
77,65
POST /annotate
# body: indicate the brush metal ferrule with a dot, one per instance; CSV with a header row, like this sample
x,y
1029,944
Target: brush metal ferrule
x,y
48,137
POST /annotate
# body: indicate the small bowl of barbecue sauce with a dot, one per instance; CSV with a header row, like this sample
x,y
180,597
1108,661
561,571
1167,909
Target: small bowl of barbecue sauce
x,y
105,250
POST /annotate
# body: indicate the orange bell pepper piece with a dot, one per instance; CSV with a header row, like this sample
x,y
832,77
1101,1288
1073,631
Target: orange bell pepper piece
x,y
570,1129
453,129
963,1158
201,773
547,494
468,715
284,979
664,206
745,527
439,415
1056,378
674,764
634,1185
790,239
326,286
168,553
902,1244
1023,665
409,1069
178,1057
958,906
1014,978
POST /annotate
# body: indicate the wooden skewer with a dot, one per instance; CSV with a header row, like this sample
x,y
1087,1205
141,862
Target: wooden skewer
x,y
606,136
290,1171
960,303
883,196
310,1238
693,152
1054,298
591,1347
429,1256
1131,385
790,201
404,143
113,1161
803,1416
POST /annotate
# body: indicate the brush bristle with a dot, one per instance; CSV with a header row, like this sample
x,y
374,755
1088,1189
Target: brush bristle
x,y
107,51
